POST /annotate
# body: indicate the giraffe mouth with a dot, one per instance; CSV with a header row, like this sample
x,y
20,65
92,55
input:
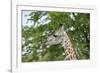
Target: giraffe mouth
x,y
45,44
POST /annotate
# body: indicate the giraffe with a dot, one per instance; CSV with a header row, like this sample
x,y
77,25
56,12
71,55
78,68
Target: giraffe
x,y
61,37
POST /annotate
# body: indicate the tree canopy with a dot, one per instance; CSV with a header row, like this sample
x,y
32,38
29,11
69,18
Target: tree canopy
x,y
77,25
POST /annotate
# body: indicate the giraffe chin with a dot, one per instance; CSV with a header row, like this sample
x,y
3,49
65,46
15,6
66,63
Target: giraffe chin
x,y
46,45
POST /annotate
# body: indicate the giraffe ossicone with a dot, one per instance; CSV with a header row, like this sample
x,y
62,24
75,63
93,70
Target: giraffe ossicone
x,y
61,37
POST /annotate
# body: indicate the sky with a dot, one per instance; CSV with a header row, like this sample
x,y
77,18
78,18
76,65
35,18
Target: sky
x,y
25,16
25,22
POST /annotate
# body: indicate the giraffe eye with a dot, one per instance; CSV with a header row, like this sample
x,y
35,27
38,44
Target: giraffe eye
x,y
55,35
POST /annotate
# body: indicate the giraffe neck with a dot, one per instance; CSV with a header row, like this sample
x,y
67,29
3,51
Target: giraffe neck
x,y
69,50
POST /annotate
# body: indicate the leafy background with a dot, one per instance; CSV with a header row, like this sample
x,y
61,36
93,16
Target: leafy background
x,y
43,23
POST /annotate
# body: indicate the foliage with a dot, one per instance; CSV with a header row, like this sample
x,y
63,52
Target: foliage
x,y
77,25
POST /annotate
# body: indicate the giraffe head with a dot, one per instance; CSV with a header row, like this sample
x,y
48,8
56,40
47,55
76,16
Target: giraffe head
x,y
58,37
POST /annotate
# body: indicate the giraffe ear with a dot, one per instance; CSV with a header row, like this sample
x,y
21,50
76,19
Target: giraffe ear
x,y
61,26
